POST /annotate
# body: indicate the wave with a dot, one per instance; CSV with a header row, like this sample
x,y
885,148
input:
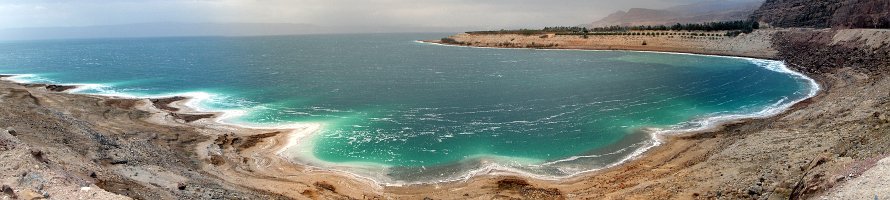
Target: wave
x,y
656,135
477,165
27,78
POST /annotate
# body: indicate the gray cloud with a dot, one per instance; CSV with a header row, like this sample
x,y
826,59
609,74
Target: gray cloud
x,y
429,13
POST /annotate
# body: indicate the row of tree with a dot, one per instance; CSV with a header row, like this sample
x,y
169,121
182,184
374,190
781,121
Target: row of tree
x,y
708,26
653,33
518,31
734,27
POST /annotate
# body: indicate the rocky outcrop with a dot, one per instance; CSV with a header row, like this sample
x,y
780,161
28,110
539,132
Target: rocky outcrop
x,y
862,14
866,51
69,146
164,103
797,13
825,13
52,87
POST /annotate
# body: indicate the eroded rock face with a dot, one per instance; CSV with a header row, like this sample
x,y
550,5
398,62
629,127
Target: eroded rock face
x,y
866,51
797,13
862,14
825,13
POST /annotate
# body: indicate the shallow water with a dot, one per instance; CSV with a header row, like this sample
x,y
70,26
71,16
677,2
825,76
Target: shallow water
x,y
401,111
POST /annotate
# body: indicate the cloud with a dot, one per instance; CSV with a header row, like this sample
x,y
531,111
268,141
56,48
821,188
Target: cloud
x,y
430,13
86,13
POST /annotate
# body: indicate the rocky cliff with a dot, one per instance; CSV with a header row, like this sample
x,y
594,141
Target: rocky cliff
x,y
825,13
866,51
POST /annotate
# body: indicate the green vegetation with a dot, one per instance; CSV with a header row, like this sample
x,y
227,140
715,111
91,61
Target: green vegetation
x,y
519,31
746,26
448,40
732,29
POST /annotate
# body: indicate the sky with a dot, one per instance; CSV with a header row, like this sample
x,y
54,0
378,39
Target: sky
x,y
407,13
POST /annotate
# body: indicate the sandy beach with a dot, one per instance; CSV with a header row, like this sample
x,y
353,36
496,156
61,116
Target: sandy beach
x,y
63,145
754,45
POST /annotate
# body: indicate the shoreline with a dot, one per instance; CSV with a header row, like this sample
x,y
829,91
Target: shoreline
x,y
302,130
256,145
815,131
803,152
439,43
757,44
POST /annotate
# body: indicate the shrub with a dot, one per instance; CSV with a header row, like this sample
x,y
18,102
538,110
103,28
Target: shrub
x,y
447,40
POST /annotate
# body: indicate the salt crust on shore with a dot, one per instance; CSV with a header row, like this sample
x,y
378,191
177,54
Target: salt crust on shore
x,y
298,145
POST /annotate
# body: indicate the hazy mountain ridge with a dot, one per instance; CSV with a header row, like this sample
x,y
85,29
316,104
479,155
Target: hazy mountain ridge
x,y
692,13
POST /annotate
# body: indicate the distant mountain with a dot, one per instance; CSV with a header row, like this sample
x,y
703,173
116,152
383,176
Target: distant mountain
x,y
708,11
201,29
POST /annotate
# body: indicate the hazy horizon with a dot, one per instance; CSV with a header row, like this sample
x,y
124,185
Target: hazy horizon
x,y
336,13
48,19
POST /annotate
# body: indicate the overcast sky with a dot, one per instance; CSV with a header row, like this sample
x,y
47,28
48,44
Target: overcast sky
x,y
432,13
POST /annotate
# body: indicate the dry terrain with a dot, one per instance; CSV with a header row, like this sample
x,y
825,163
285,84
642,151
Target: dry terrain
x,y
755,45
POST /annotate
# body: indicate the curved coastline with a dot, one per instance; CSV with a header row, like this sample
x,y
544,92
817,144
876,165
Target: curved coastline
x,y
707,124
194,100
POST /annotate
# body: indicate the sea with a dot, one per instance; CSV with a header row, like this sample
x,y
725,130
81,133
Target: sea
x,y
398,111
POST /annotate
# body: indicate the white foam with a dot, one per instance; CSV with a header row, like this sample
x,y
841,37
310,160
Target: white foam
x,y
26,78
495,166
198,99
195,100
100,89
656,135
772,110
81,88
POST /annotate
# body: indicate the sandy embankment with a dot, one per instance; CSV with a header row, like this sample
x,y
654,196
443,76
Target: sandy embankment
x,y
755,45
144,149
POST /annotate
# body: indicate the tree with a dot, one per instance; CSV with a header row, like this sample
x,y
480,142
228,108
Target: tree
x,y
584,31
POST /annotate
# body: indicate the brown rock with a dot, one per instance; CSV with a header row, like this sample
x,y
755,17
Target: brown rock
x,y
512,184
164,103
31,195
825,13
59,88
325,186
8,191
39,156
217,160
252,140
191,117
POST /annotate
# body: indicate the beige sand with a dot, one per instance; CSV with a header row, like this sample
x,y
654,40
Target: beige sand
x,y
756,45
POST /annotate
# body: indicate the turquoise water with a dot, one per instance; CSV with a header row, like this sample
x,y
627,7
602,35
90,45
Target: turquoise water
x,y
402,111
